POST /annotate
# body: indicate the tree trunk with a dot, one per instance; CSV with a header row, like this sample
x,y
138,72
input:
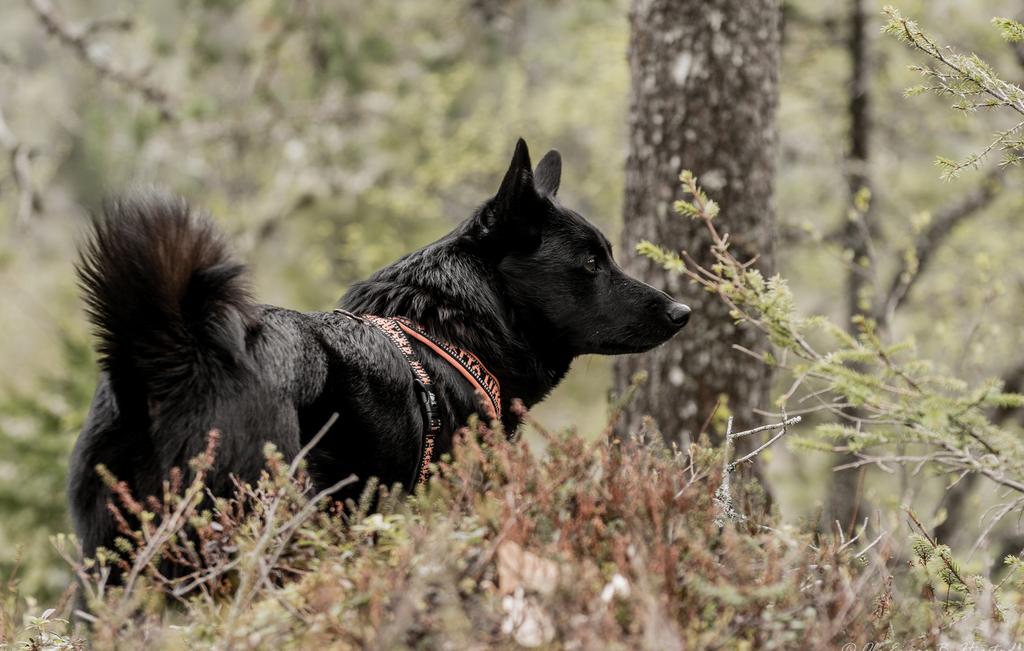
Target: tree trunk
x,y
704,90
844,493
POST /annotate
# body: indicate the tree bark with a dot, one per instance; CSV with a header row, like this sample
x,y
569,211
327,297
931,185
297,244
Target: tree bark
x,y
704,91
843,493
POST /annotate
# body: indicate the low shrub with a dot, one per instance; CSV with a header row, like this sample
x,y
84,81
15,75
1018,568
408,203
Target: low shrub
x,y
592,544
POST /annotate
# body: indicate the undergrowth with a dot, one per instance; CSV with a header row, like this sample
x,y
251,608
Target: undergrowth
x,y
607,544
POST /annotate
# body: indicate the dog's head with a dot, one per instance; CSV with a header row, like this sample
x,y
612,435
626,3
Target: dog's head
x,y
558,270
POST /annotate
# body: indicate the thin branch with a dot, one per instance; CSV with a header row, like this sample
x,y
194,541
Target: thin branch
x,y
1001,91
764,428
929,240
1007,508
21,171
77,39
870,545
723,496
248,587
747,457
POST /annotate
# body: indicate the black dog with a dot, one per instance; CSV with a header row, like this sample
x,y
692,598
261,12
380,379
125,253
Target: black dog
x,y
524,285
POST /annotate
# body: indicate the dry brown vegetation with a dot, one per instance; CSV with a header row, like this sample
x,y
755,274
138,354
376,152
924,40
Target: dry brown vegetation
x,y
588,545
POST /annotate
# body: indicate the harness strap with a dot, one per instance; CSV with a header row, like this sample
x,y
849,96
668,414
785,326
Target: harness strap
x,y
471,368
423,384
465,362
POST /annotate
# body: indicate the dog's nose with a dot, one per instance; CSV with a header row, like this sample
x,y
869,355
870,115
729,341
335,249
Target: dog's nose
x,y
678,314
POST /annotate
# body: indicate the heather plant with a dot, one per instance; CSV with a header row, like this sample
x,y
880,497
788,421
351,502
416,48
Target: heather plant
x,y
595,543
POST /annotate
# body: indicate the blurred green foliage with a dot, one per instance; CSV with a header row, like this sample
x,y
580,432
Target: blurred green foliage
x,y
37,428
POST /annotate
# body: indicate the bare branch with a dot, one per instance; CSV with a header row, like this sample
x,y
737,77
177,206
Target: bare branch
x,y
932,237
77,40
723,496
870,545
21,171
764,428
111,24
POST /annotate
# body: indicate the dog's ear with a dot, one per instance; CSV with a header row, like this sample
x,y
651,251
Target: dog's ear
x,y
548,174
512,218
518,182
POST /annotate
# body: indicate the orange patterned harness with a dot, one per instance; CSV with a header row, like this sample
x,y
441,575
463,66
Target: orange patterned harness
x,y
398,330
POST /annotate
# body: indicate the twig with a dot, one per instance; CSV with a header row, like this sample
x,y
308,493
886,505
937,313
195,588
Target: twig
x,y
77,40
782,432
248,587
1009,506
856,536
928,241
306,449
870,545
21,171
996,88
723,496
711,417
947,560
170,525
788,421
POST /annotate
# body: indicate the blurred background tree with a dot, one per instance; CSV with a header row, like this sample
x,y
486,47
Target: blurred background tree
x,y
331,136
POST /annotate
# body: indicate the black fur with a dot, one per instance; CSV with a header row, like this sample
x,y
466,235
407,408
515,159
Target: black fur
x,y
525,283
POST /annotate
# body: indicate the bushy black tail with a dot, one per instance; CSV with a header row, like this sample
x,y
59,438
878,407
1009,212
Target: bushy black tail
x,y
170,308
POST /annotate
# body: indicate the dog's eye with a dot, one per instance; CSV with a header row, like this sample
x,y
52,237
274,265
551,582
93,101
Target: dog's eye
x,y
590,266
